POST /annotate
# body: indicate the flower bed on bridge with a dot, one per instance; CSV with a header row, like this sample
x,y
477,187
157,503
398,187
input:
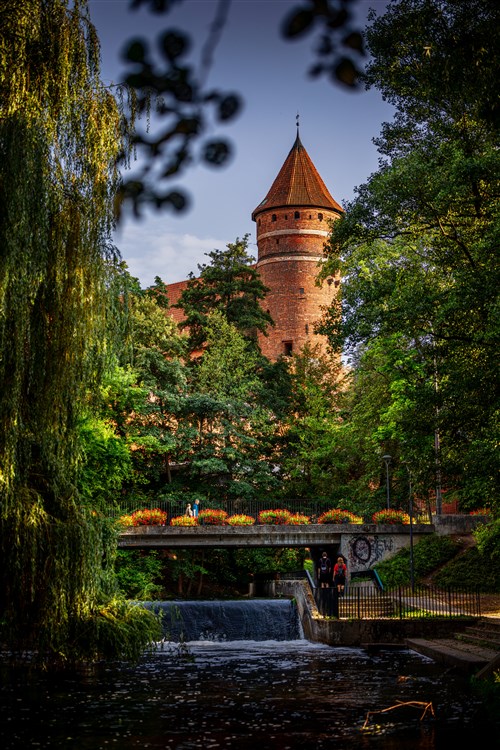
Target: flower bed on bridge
x,y
273,517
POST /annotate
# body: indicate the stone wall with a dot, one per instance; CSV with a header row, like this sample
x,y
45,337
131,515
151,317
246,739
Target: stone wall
x,y
365,632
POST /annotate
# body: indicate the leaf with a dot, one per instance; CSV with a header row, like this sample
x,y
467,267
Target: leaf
x,y
173,44
135,51
297,23
229,107
216,152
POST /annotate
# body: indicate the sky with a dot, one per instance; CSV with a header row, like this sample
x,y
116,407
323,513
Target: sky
x,y
337,126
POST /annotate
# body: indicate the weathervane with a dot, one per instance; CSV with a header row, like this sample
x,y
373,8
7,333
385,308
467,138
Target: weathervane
x,y
297,121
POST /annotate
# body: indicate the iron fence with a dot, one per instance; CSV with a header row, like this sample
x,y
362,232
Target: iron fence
x,y
176,507
403,602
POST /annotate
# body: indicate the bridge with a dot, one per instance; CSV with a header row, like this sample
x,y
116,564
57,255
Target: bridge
x,y
213,537
361,544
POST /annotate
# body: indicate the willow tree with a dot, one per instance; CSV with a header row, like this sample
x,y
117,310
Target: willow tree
x,y
60,135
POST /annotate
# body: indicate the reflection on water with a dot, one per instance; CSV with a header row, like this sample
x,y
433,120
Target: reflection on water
x,y
243,695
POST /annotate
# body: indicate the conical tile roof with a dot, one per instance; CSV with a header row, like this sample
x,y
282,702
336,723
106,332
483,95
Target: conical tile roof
x,y
298,184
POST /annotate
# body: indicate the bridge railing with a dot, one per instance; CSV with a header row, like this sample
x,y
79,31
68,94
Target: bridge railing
x,y
312,508
402,602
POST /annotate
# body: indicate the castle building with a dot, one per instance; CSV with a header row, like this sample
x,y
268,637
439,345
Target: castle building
x,y
293,224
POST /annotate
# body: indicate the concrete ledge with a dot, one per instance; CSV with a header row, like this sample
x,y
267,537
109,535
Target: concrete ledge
x,y
446,651
309,535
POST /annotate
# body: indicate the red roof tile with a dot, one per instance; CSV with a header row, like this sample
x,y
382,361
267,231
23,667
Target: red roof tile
x,y
298,184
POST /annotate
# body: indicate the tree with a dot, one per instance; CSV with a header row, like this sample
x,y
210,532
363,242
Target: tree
x,y
230,284
60,135
417,247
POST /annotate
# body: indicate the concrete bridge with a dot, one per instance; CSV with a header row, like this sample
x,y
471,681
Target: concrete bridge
x,y
362,545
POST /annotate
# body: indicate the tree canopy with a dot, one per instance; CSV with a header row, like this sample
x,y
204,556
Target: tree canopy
x,y
418,247
60,136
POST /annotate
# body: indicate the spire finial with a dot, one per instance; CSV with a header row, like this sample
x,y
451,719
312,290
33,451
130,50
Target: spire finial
x,y
297,121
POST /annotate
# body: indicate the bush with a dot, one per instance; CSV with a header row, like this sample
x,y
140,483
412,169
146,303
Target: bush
x,y
212,517
339,516
149,517
183,521
428,554
138,574
297,519
240,520
390,516
126,520
275,517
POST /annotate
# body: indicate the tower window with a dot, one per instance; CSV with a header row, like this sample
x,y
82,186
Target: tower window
x,y
296,215
288,348
320,217
301,290
273,218
307,329
277,241
286,217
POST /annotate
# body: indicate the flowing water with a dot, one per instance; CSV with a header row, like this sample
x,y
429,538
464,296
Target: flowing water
x,y
239,688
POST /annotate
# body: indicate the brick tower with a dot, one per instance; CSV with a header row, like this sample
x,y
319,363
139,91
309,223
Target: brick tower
x,y
292,227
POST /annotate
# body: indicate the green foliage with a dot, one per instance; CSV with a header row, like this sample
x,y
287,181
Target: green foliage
x,y
420,277
429,553
229,284
105,463
477,568
117,630
60,136
139,574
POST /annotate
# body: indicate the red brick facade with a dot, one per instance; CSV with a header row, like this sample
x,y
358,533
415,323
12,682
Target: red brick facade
x,y
293,224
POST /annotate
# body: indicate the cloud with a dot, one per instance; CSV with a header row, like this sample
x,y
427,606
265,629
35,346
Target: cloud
x,y
148,252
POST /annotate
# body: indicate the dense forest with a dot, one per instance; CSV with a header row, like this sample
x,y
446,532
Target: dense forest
x,y
106,406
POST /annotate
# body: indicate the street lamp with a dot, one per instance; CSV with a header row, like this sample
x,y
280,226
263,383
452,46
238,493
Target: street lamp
x,y
387,460
410,508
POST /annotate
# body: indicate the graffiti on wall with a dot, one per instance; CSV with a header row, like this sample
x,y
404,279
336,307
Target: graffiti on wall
x,y
366,551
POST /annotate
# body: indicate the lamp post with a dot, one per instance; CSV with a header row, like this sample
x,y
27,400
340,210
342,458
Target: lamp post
x,y
387,461
410,509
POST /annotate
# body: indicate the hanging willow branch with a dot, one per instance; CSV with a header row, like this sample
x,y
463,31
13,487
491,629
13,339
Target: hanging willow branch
x,y
60,134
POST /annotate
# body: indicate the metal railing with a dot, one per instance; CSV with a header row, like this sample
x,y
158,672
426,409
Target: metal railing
x,y
312,508
401,603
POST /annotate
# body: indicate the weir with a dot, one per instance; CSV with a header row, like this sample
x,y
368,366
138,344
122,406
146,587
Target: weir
x,y
240,620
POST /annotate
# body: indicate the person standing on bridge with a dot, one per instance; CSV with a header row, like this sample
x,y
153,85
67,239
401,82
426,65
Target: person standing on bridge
x,y
196,508
339,575
189,510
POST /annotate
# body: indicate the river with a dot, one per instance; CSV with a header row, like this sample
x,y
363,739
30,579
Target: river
x,y
279,693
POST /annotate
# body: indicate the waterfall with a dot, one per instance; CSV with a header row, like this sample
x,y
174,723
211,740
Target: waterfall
x,y
249,620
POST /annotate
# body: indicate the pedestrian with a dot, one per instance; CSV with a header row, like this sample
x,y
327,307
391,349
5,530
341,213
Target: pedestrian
x,y
196,508
189,510
324,571
339,575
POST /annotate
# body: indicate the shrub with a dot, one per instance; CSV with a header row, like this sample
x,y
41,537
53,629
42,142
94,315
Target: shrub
x,y
481,512
240,520
390,516
339,516
429,553
276,517
149,517
298,519
183,521
126,520
212,517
